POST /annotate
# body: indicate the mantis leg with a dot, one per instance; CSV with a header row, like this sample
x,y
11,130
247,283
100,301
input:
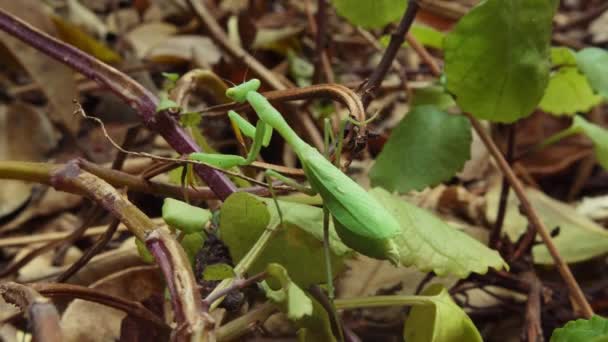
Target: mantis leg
x,y
226,161
247,129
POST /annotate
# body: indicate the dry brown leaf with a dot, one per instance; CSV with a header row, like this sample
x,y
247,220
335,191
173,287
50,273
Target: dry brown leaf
x,y
42,265
47,203
146,36
186,49
85,321
25,134
55,79
599,29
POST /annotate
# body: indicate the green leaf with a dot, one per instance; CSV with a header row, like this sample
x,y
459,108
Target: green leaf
x,y
166,104
597,134
370,14
218,272
497,58
185,217
443,321
297,245
427,147
192,119
434,95
428,36
294,302
193,243
579,238
593,62
563,56
432,245
425,35
300,69
171,76
593,329
568,92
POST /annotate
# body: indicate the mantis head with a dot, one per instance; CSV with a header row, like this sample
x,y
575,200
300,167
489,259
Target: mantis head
x,y
239,93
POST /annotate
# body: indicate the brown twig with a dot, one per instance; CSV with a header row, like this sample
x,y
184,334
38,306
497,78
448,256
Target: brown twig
x,y
504,191
573,287
133,308
318,28
533,331
236,284
41,313
369,88
90,253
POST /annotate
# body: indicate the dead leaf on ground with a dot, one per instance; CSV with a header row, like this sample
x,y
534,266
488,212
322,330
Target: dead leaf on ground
x,y
25,134
186,49
599,29
85,321
42,265
146,36
49,201
54,78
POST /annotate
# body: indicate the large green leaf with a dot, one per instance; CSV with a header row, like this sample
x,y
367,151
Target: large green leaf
x,y
297,244
432,245
497,58
593,329
434,95
593,62
427,147
568,92
370,14
579,238
442,321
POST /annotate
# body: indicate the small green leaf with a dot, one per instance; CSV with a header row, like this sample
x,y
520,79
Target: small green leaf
x,y
297,245
192,119
166,104
370,14
432,245
300,69
497,58
193,243
294,302
593,329
442,321
568,92
427,147
434,95
185,217
218,272
597,134
593,62
170,76
563,56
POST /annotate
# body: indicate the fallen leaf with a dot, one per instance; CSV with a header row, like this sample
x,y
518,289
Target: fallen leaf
x,y
25,134
54,78
85,321
186,49
146,36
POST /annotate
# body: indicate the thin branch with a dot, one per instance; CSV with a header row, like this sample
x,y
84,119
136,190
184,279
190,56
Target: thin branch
x,y
236,284
133,308
504,191
573,287
369,89
139,98
41,313
319,30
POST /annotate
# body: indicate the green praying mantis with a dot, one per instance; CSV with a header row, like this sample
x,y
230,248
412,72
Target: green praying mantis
x,y
361,222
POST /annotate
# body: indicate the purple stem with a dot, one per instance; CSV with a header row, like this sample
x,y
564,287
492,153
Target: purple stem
x,y
138,97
